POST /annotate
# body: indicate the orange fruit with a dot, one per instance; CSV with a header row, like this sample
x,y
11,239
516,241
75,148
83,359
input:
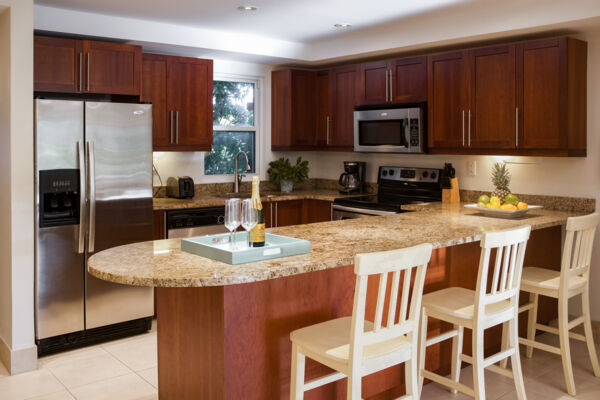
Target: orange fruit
x,y
522,205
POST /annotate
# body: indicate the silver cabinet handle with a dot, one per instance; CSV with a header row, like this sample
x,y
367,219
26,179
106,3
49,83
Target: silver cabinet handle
x,y
517,127
81,73
391,86
387,86
328,130
88,72
469,142
92,195
82,194
176,127
276,224
271,208
463,127
171,141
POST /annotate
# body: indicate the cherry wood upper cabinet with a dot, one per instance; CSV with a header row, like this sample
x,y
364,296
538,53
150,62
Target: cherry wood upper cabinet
x,y
154,90
189,99
324,108
448,100
113,68
86,66
345,97
180,90
492,109
551,96
58,64
403,80
293,110
408,80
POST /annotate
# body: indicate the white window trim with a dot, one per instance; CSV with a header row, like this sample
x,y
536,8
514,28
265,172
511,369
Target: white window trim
x,y
258,115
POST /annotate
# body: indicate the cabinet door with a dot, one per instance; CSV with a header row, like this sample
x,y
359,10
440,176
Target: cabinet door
x,y
154,90
447,100
287,213
269,209
303,109
541,93
317,211
493,98
345,98
112,68
189,98
374,82
323,118
409,80
57,64
159,231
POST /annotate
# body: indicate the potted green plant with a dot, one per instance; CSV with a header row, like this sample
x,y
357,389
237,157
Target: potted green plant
x,y
283,173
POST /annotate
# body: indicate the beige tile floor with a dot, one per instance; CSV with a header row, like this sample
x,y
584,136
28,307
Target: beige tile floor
x,y
126,370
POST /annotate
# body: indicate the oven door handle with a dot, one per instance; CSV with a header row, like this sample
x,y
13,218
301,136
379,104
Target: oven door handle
x,y
365,211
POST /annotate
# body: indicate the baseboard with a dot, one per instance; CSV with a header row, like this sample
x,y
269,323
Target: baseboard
x,y
18,361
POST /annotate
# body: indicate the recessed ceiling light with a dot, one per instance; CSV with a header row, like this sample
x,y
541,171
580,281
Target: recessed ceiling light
x,y
343,26
247,8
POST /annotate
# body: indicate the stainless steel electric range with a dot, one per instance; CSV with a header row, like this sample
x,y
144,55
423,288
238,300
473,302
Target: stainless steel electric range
x,y
397,186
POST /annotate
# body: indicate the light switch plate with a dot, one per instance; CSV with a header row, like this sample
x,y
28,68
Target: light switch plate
x,y
472,168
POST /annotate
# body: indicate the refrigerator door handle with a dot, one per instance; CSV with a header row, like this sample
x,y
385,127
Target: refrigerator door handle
x,y
92,191
82,195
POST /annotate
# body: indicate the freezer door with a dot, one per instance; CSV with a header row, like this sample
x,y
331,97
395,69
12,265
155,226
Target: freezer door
x,y
59,266
119,143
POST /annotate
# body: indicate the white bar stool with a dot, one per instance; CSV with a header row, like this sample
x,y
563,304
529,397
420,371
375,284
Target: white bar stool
x,y
355,347
479,310
572,280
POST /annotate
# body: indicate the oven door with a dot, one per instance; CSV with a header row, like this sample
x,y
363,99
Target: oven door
x,y
342,212
395,130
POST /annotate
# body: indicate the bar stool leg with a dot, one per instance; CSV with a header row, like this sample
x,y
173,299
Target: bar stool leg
x,y
354,387
565,350
504,345
589,336
411,374
478,374
515,359
422,347
297,381
531,322
457,347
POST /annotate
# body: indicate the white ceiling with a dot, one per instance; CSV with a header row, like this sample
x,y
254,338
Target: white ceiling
x,y
292,20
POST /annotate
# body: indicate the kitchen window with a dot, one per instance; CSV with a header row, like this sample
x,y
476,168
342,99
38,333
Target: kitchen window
x,y
234,126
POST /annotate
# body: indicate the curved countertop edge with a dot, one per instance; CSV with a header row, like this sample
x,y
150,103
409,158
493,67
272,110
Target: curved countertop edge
x,y
333,244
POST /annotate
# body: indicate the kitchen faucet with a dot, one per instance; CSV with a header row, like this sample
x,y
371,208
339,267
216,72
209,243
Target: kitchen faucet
x,y
239,177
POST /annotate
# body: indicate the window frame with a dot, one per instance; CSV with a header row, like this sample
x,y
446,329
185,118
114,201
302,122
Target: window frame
x,y
258,113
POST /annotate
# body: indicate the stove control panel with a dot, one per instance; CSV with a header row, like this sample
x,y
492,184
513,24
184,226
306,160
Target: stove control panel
x,y
404,174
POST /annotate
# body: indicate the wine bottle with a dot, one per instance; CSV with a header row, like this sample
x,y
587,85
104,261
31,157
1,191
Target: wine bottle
x,y
257,235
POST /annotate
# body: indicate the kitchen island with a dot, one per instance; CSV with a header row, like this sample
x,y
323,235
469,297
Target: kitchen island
x,y
223,330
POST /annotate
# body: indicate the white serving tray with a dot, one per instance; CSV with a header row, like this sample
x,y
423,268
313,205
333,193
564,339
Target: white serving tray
x,y
217,247
499,213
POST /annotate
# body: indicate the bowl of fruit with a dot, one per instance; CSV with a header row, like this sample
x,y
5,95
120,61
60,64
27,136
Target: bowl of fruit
x,y
501,202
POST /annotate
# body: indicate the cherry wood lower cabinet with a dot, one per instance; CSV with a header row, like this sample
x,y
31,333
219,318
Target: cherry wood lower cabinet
x,y
296,212
160,231
232,342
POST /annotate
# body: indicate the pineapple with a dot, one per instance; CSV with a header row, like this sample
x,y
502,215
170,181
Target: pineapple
x,y
501,180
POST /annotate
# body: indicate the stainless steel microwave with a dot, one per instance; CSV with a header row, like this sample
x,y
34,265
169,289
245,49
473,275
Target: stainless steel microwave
x,y
389,130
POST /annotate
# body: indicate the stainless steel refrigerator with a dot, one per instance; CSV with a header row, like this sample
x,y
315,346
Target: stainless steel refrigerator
x,y
93,167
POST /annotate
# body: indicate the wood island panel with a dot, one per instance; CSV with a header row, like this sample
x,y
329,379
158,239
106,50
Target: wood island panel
x,y
232,342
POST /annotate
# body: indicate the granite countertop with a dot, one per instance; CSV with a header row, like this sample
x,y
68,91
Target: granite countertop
x,y
162,263
214,199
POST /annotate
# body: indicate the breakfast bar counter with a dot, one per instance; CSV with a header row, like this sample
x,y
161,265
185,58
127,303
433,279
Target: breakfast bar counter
x,y
223,330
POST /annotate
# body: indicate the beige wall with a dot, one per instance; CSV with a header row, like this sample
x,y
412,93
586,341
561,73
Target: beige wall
x,y
17,349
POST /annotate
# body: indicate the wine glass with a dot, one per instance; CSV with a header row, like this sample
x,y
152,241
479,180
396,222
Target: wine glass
x,y
232,219
249,217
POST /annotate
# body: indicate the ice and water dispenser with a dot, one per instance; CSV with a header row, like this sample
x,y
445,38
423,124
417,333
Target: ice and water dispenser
x,y
59,197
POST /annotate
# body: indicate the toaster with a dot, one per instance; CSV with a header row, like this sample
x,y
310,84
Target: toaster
x,y
180,187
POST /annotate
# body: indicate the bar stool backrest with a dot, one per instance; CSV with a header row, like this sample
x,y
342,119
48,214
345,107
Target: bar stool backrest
x,y
507,268
577,250
397,263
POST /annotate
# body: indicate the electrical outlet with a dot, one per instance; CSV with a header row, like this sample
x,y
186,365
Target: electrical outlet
x,y
472,168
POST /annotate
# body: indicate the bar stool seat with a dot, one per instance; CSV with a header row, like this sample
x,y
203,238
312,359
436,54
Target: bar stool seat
x,y
329,343
459,303
547,282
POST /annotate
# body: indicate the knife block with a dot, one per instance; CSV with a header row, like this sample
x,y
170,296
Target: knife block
x,y
451,195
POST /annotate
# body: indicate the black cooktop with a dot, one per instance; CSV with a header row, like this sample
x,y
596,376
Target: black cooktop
x,y
380,202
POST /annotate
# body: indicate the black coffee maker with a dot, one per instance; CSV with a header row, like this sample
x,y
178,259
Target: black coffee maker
x,y
353,177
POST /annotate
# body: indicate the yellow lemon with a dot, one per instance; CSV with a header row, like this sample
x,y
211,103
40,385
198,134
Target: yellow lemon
x,y
522,205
